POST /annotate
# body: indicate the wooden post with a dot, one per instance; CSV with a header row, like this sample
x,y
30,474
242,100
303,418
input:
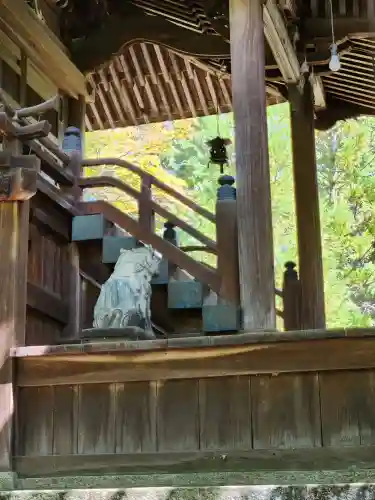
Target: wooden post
x,y
307,206
252,169
227,240
291,298
14,237
146,214
75,120
170,235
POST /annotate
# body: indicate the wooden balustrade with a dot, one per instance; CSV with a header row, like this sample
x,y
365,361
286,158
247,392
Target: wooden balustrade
x,y
146,206
117,162
291,298
227,240
59,165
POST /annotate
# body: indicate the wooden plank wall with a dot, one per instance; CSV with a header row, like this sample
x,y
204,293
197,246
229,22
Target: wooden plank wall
x,y
263,412
48,273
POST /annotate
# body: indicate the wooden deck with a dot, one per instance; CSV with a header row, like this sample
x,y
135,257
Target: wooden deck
x,y
260,401
195,357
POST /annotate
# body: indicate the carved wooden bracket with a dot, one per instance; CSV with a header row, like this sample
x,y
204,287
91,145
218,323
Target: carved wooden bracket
x,y
27,132
18,176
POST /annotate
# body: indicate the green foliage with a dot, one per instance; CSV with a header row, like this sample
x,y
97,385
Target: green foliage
x,y
142,146
178,154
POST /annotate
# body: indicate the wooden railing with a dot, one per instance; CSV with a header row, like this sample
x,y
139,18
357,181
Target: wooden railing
x,y
59,166
148,181
292,298
226,283
147,207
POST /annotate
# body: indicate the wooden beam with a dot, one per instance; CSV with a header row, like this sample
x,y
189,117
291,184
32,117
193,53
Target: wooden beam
x,y
104,363
76,118
190,462
283,51
14,237
13,264
11,54
307,206
21,24
252,168
51,223
278,39
47,303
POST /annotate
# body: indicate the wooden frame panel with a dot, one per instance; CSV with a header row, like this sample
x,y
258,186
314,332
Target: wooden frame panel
x,y
283,422
189,358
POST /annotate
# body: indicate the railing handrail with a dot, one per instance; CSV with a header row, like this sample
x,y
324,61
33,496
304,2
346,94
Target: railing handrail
x,y
87,162
106,181
203,273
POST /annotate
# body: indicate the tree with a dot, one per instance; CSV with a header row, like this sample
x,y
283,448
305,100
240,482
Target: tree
x,y
177,153
142,146
345,157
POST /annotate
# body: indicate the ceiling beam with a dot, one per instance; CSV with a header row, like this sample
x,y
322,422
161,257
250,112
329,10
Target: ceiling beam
x,y
281,46
19,22
283,51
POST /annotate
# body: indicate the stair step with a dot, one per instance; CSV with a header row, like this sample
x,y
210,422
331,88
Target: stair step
x,y
162,278
180,291
185,294
89,227
112,246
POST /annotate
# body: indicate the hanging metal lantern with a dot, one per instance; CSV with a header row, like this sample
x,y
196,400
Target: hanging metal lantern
x,y
218,152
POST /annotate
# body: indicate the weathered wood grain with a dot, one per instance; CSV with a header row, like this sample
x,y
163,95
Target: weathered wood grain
x,y
136,417
47,302
225,413
366,388
48,309
65,420
338,458
286,411
252,165
13,265
348,417
307,206
177,415
78,365
96,419
227,250
35,421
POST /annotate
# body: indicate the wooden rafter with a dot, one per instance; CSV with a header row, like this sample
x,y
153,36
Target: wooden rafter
x,y
278,39
282,48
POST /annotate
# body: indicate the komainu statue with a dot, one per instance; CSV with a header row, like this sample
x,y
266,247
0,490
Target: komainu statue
x,y
125,298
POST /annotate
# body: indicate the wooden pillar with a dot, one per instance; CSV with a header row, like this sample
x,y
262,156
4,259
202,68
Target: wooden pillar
x,y
75,118
307,206
14,237
252,169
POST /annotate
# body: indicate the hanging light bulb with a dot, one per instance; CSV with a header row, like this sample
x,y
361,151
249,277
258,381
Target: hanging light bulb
x,y
304,67
334,63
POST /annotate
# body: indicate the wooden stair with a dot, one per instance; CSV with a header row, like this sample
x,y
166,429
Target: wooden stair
x,y
188,296
184,293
